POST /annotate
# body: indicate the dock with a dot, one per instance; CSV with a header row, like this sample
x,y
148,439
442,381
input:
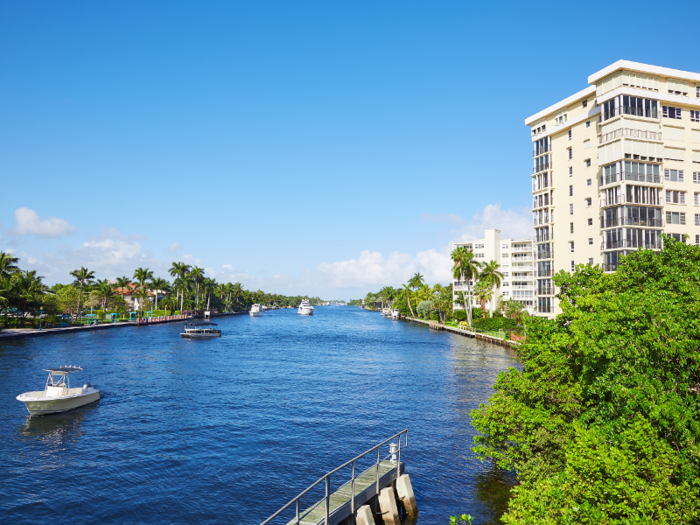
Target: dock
x,y
378,490
19,333
468,333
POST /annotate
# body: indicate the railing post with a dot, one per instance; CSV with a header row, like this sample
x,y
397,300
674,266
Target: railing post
x,y
297,523
328,498
352,493
378,460
398,463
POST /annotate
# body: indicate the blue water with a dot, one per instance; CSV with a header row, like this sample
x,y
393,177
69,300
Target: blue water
x,y
229,430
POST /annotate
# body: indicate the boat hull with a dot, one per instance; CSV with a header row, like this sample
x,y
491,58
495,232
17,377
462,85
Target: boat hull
x,y
40,407
256,314
305,311
199,336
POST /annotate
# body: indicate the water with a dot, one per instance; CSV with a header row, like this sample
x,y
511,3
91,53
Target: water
x,y
228,430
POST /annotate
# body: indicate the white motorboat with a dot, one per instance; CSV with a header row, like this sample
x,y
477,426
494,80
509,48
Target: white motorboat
x,y
305,308
58,396
395,315
200,331
256,310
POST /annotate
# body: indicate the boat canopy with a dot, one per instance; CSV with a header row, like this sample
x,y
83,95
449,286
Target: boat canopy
x,y
63,370
200,324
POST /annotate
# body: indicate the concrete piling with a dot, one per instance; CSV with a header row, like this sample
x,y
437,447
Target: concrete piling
x,y
363,516
404,490
387,505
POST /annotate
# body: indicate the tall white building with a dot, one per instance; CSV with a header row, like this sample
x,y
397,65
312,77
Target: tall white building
x,y
615,165
516,259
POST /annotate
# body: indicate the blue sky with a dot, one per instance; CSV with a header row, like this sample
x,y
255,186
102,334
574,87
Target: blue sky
x,y
299,147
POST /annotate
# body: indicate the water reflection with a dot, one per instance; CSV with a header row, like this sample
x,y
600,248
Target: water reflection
x,y
493,492
55,429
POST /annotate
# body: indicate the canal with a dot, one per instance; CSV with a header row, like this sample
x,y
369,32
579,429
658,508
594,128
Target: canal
x,y
228,430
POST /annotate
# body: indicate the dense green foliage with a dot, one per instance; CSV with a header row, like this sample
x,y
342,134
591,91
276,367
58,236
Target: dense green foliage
x,y
492,324
425,308
602,426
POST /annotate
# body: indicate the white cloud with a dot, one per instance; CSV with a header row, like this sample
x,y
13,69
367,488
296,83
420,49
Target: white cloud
x,y
515,223
28,222
109,253
175,247
371,269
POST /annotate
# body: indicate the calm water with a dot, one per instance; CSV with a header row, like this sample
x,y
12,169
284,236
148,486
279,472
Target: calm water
x,y
229,430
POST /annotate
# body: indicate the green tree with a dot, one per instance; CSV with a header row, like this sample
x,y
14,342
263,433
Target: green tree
x,y
123,284
82,277
159,284
105,293
491,277
601,426
465,269
484,293
30,288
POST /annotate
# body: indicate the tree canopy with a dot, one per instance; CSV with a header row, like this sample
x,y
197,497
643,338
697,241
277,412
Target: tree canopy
x,y
603,424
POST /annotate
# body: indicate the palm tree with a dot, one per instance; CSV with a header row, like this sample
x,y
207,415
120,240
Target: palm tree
x,y
208,286
142,275
237,292
142,295
122,283
197,275
105,291
159,284
491,275
82,276
465,269
484,294
407,293
8,264
416,281
29,285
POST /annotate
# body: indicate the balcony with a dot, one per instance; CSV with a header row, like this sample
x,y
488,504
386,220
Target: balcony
x,y
634,111
630,243
521,250
629,133
522,287
541,168
541,151
609,267
544,273
521,259
631,221
545,290
624,200
543,238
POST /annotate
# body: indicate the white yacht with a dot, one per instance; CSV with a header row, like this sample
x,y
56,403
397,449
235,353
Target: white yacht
x,y
305,308
57,395
256,310
395,315
200,331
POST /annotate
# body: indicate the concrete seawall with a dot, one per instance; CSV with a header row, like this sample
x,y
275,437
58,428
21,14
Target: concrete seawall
x,y
11,333
467,333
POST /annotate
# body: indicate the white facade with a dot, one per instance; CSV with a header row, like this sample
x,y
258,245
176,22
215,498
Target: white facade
x,y
617,164
516,259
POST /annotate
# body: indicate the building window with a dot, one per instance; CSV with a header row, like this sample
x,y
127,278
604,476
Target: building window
x,y
694,116
671,112
590,261
571,209
571,190
697,219
571,171
697,237
696,177
590,222
589,182
674,217
675,197
569,134
571,227
696,199
697,91
571,153
589,201
573,266
584,103
590,241
675,176
588,163
588,123
572,246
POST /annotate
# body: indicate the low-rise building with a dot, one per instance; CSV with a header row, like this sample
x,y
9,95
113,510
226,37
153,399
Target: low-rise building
x,y
515,257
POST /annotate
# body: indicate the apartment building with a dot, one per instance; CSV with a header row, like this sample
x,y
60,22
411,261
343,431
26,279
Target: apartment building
x,y
615,165
516,259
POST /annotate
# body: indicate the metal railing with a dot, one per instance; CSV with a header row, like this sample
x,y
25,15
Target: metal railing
x,y
541,167
630,243
631,133
631,221
629,110
327,480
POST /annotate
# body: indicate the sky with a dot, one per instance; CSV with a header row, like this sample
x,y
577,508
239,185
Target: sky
x,y
319,148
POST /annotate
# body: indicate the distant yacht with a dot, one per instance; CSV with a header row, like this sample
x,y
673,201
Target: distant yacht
x,y
305,308
256,310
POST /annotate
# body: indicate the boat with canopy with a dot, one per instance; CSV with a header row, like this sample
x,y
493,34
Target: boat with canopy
x,y
204,330
58,396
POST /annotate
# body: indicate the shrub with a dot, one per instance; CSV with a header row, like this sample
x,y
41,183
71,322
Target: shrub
x,y
460,315
493,324
425,307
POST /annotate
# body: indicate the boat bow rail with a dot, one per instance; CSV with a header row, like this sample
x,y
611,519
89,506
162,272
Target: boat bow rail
x,y
341,504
